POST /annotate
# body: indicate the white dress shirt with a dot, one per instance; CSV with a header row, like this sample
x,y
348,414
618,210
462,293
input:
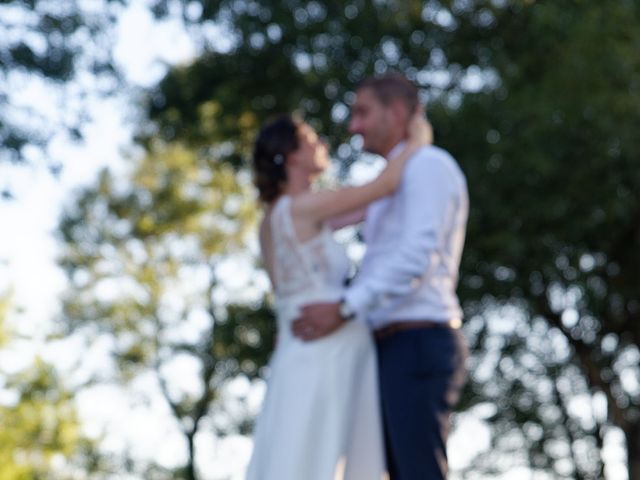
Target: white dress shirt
x,y
414,241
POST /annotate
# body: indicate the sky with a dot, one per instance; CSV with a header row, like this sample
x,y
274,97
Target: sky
x,y
145,429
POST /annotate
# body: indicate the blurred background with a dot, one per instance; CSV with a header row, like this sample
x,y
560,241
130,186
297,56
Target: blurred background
x,y
135,322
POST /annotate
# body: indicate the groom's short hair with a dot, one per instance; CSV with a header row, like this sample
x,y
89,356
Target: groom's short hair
x,y
392,86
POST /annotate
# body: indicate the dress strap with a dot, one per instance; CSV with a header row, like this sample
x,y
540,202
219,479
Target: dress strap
x,y
282,216
291,265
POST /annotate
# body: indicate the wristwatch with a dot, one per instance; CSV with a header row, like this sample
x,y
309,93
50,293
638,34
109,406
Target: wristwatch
x,y
346,311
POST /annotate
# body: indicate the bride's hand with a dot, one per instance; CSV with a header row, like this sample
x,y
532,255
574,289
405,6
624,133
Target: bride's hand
x,y
419,135
419,129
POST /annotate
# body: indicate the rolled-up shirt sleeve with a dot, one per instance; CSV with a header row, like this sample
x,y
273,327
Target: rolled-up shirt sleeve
x,y
425,194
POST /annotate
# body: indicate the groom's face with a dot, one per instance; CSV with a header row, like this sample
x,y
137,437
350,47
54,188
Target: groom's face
x,y
372,120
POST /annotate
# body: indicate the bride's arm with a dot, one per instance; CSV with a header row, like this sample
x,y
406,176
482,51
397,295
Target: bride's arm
x,y
325,204
347,219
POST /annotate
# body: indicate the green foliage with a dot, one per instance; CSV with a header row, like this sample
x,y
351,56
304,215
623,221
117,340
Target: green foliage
x,y
141,252
5,306
45,45
246,337
284,56
552,160
40,429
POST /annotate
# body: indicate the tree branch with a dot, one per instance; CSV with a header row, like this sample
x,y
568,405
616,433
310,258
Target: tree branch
x,y
587,364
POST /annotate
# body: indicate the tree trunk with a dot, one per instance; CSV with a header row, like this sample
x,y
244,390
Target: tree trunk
x,y
190,469
633,450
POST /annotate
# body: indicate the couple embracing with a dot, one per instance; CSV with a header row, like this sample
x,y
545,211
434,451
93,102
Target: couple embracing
x,y
363,377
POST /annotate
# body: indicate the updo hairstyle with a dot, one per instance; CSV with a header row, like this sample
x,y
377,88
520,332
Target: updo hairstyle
x,y
274,142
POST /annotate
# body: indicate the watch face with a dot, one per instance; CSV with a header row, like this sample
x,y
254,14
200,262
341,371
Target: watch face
x,y
345,311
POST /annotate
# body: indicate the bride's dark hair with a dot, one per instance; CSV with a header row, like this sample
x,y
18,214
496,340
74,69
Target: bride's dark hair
x,y
275,141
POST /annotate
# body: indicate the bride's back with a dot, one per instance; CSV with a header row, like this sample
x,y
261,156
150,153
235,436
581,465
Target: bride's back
x,y
301,271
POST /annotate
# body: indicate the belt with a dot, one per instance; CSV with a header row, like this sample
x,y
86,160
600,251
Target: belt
x,y
415,325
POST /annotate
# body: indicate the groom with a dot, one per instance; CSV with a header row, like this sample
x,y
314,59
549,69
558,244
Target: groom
x,y
405,290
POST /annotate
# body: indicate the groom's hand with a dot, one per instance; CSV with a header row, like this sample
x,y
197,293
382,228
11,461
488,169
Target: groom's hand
x,y
317,320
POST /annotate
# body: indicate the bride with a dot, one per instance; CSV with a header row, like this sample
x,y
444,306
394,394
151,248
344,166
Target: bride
x,y
320,418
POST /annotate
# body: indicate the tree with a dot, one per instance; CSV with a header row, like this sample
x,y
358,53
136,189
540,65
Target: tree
x,y
142,254
55,61
44,51
556,124
40,436
538,103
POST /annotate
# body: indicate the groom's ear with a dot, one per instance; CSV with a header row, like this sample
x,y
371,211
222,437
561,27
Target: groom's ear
x,y
399,111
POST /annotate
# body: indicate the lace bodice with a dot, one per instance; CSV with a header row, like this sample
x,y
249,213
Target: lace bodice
x,y
308,271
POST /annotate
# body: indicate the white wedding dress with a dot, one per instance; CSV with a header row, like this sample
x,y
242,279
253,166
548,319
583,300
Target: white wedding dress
x,y
320,418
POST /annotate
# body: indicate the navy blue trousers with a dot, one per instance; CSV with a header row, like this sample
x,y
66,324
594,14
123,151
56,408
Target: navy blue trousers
x,y
421,375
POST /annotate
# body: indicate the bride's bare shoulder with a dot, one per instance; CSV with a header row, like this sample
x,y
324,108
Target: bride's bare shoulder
x,y
302,203
264,226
